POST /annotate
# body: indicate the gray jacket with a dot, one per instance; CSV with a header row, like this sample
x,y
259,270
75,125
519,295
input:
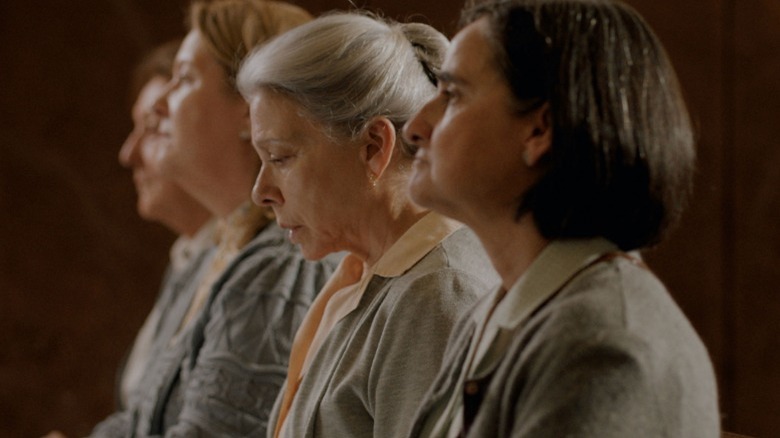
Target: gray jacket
x,y
370,373
222,377
610,355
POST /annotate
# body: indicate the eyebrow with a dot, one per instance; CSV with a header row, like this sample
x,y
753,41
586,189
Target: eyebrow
x,y
179,63
264,143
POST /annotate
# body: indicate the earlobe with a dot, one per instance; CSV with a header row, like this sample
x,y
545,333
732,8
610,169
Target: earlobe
x,y
378,145
539,141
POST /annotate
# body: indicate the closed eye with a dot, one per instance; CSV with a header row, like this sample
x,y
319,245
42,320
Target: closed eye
x,y
278,160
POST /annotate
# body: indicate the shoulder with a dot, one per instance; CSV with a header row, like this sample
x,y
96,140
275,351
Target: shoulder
x,y
615,318
456,264
270,264
269,283
441,287
617,296
460,251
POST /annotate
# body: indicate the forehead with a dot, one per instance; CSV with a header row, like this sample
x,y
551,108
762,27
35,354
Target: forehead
x,y
189,46
471,54
278,116
269,105
193,49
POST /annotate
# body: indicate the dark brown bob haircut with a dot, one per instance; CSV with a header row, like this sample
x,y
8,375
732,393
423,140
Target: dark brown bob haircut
x,y
622,155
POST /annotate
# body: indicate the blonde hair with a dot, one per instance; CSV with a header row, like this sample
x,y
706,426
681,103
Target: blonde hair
x,y
232,28
347,68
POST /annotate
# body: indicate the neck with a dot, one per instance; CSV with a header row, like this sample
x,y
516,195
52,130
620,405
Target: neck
x,y
222,193
194,223
226,206
185,219
384,225
511,245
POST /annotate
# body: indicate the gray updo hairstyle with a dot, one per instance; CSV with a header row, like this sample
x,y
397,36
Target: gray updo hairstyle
x,y
347,68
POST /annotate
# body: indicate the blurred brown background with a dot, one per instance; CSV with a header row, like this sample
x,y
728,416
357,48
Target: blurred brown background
x,y
79,270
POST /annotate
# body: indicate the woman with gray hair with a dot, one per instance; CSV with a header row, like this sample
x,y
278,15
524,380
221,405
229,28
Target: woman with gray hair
x,y
327,101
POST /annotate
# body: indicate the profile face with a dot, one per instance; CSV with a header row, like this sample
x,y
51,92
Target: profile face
x,y
470,158
203,118
157,195
310,181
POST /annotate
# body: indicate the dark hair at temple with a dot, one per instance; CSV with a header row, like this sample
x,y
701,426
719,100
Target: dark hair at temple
x,y
622,154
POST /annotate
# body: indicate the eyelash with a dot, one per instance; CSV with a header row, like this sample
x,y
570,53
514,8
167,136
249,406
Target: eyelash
x,y
448,94
180,77
278,160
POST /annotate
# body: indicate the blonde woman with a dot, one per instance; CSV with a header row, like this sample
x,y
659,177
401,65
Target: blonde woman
x,y
227,357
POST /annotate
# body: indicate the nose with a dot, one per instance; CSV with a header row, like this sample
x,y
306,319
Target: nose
x,y
130,152
417,130
265,192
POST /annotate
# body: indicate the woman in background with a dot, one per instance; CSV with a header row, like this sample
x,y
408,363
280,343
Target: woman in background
x,y
161,200
559,135
222,369
327,100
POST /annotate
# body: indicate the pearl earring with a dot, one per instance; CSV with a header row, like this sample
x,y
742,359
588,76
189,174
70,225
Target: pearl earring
x,y
245,135
527,158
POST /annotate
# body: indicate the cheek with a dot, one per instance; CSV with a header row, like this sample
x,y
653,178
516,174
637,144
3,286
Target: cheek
x,y
320,197
190,123
443,162
155,154
195,145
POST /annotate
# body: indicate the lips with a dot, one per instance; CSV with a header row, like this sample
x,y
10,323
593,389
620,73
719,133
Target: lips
x,y
292,230
421,156
286,226
419,163
164,127
139,179
290,227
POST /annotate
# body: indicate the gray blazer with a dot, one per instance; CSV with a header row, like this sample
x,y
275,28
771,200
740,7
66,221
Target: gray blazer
x,y
376,364
611,355
222,377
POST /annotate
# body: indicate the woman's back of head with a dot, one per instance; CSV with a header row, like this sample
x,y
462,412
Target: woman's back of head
x,y
622,153
346,68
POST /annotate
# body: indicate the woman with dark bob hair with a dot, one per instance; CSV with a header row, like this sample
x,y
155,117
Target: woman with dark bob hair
x,y
559,135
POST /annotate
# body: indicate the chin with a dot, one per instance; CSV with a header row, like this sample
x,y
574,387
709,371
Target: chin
x,y
316,250
421,193
147,211
312,254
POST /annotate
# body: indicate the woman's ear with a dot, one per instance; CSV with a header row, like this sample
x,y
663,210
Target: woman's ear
x,y
377,146
539,140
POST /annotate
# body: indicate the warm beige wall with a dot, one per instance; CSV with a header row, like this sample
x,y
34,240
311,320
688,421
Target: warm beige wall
x,y
79,269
